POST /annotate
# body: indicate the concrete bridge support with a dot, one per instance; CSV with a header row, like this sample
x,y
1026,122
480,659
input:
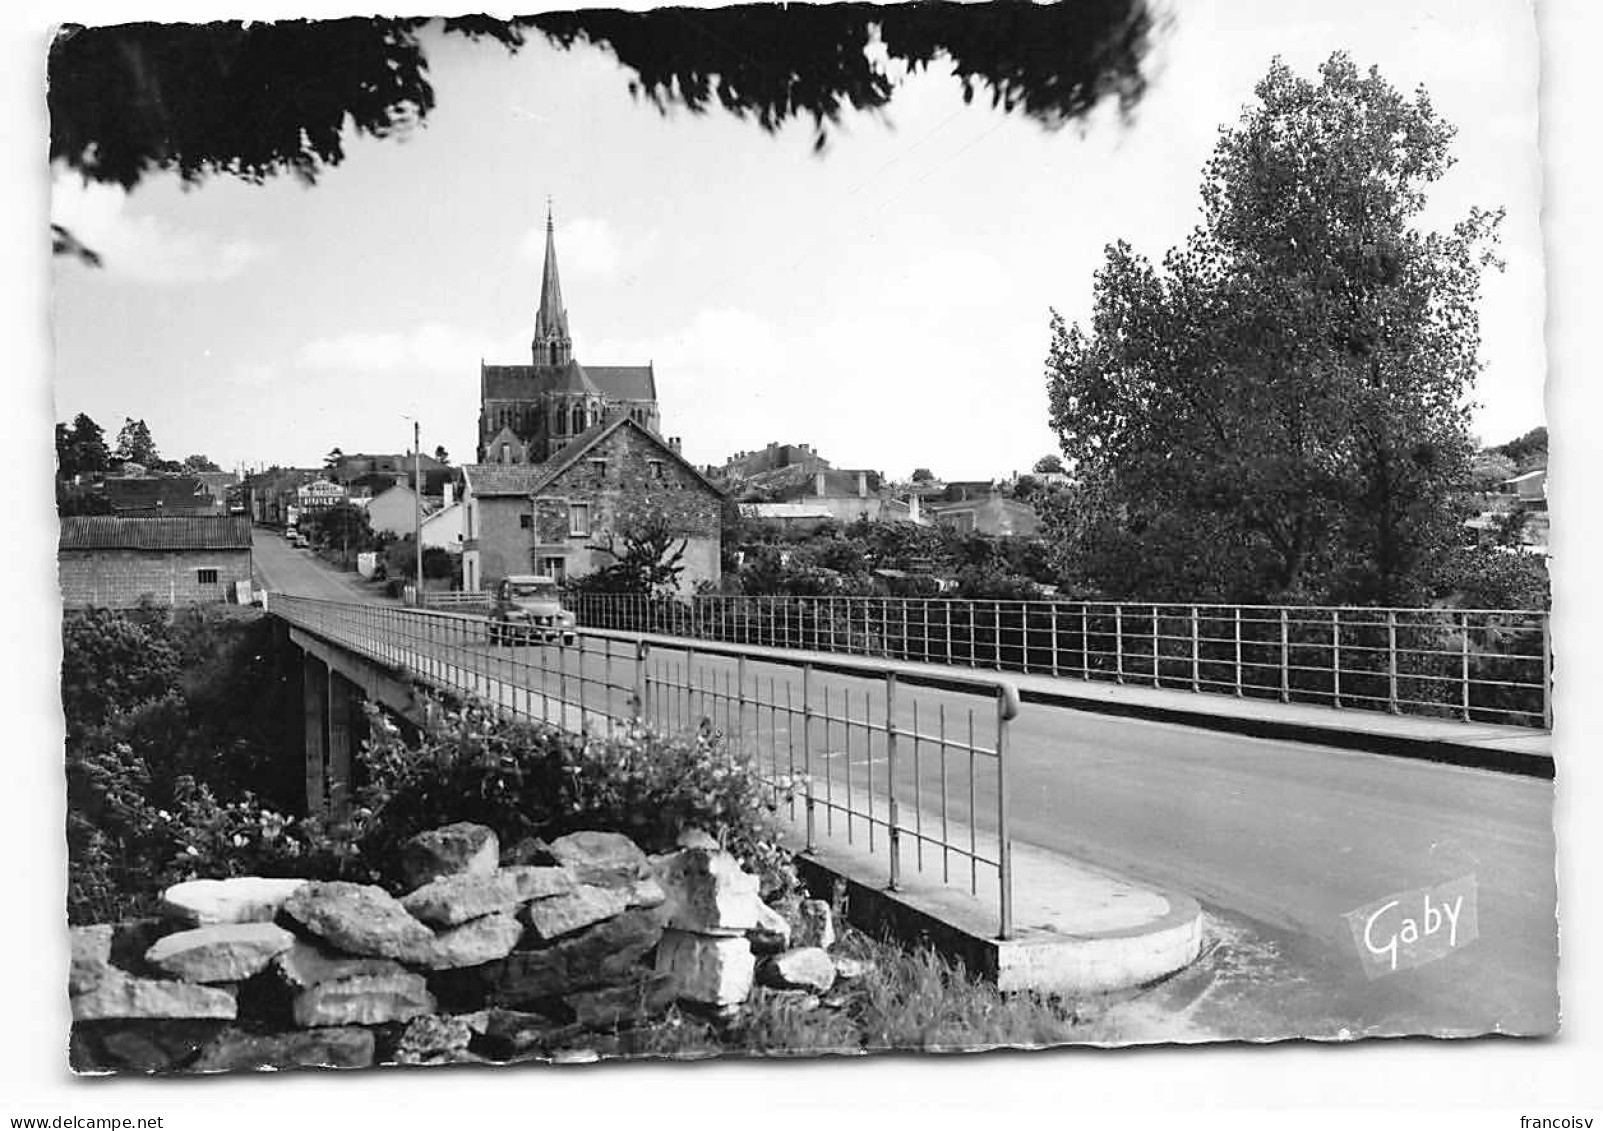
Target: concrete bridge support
x,y
334,684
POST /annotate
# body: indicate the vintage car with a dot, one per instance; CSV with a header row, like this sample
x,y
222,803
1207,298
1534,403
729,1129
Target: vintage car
x,y
528,608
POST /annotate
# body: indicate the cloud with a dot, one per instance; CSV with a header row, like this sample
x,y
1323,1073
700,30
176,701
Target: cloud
x,y
430,348
143,248
591,249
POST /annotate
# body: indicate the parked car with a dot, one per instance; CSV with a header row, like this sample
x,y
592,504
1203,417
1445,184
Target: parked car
x,y
527,608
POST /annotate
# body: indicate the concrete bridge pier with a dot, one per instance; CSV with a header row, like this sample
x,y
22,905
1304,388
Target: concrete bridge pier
x,y
334,685
331,710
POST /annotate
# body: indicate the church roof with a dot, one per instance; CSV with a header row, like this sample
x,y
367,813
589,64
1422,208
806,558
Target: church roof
x,y
526,382
571,378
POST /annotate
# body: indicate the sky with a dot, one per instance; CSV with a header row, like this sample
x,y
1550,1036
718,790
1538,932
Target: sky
x,y
886,301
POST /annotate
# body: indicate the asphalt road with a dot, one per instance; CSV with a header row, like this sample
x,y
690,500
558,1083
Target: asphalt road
x,y
1278,840
282,568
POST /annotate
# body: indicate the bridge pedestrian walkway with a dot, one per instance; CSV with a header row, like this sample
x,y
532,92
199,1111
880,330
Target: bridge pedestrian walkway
x,y
1524,750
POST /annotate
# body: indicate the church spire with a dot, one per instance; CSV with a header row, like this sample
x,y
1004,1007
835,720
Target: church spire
x,y
552,344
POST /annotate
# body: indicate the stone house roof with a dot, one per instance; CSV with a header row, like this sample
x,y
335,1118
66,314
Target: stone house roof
x,y
587,440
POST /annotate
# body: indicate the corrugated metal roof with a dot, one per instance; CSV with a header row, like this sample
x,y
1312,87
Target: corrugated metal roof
x,y
108,532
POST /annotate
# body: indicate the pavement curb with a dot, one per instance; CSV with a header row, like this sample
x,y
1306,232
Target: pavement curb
x,y
1093,962
1392,745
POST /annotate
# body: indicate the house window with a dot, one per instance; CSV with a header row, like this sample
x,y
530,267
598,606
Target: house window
x,y
556,567
504,453
578,419
599,467
206,576
578,520
656,468
526,521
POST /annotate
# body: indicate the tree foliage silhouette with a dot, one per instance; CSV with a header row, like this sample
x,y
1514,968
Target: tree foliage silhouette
x,y
263,99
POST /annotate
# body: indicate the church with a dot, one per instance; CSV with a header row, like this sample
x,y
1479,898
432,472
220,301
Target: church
x,y
529,413
572,463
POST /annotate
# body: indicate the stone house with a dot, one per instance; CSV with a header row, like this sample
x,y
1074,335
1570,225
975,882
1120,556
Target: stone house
x,y
552,518
116,562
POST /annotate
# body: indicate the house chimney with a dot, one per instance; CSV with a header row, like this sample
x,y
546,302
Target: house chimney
x,y
862,484
673,442
818,484
450,494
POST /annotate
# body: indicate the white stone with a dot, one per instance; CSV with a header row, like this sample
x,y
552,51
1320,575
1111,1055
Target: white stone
x,y
804,968
452,900
708,892
472,944
706,969
119,996
771,933
225,952
240,899
305,965
563,914
369,999
91,957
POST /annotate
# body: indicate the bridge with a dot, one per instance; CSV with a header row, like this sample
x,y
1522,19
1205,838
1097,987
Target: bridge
x,y
1241,801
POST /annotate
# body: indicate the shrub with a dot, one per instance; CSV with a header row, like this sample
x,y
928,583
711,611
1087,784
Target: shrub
x,y
532,780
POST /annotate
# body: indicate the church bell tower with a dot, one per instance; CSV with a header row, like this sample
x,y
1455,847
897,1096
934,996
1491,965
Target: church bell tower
x,y
552,345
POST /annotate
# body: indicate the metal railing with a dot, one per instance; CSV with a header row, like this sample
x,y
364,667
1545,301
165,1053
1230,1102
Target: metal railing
x,y
862,751
1478,665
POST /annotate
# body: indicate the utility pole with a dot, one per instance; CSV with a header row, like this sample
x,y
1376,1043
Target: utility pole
x,y
417,504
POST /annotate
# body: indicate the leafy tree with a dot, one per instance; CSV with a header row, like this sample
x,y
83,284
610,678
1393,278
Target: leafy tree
x,y
331,461
81,448
1026,487
199,463
134,444
261,99
1278,411
1528,451
645,558
923,475
441,454
1489,470
1048,465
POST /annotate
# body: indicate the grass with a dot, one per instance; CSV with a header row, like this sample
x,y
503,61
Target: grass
x,y
907,1001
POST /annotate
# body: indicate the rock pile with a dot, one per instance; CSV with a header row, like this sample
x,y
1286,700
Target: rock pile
x,y
488,957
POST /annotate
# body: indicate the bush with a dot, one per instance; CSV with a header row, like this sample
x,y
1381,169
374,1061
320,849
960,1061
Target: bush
x,y
176,728
533,780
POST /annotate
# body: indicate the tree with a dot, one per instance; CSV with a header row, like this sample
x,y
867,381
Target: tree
x,y
441,454
645,558
199,463
81,449
1278,410
263,99
1048,465
134,444
1489,470
1528,452
332,460
923,475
